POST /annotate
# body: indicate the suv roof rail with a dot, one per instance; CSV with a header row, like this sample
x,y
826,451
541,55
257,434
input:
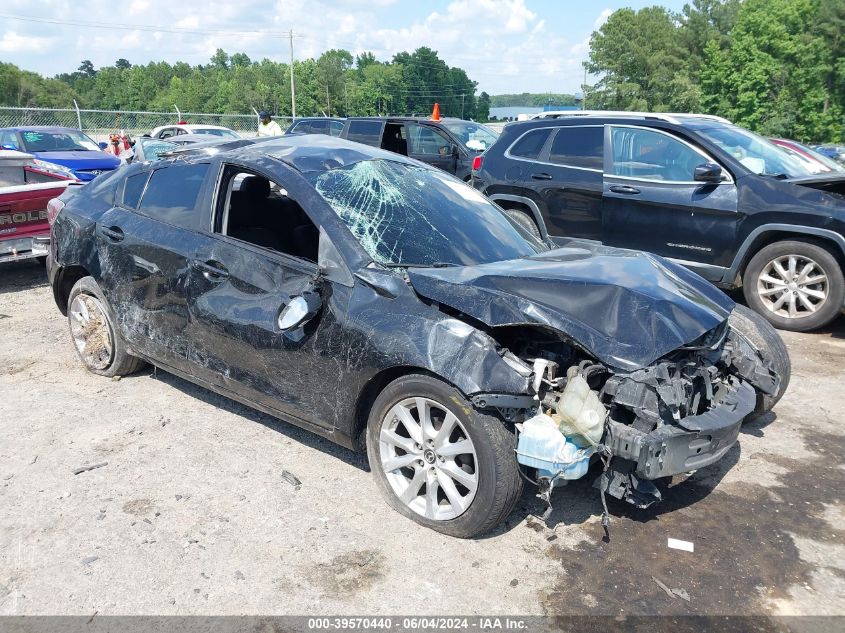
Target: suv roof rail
x,y
669,117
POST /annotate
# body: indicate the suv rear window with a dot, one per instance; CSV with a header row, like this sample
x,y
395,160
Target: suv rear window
x,y
133,187
578,146
530,145
171,195
368,132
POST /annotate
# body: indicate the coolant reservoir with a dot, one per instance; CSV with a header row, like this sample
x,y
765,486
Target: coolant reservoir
x,y
542,446
580,414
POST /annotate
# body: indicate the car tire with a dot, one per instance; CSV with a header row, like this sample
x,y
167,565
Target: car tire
x,y
525,221
765,339
776,271
97,342
454,508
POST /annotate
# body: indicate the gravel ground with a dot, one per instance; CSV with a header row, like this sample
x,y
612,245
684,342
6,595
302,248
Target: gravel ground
x,y
191,513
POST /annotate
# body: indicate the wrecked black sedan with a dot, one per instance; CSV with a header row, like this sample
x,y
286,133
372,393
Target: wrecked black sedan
x,y
392,308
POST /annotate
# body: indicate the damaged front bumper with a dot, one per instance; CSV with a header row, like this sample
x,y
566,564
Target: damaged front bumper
x,y
692,443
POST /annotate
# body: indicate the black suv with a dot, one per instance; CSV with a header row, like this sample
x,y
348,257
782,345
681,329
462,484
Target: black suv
x,y
693,188
450,144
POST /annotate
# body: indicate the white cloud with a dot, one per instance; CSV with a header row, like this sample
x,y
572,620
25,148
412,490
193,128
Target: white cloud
x,y
12,42
502,44
599,21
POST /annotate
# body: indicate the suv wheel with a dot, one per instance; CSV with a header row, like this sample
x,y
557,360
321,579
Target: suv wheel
x,y
524,220
795,285
440,462
97,342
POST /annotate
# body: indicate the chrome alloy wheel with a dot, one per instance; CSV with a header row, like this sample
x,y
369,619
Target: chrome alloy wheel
x,y
90,331
792,286
428,458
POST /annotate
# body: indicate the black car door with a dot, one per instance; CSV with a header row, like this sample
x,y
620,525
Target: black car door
x,y
651,201
568,180
144,244
260,256
430,145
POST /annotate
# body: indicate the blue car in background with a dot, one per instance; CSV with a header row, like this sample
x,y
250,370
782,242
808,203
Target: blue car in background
x,y
63,146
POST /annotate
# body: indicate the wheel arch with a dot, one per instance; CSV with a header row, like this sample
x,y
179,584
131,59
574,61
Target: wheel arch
x,y
64,282
373,388
768,234
510,201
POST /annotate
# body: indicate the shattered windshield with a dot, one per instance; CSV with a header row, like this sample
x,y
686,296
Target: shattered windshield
x,y
405,215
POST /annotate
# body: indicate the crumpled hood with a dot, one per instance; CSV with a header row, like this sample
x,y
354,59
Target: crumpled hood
x,y
627,308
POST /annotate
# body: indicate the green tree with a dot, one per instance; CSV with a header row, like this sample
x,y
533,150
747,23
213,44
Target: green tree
x,y
774,75
123,64
482,111
642,62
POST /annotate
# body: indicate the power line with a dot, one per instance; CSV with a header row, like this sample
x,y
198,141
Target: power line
x,y
145,27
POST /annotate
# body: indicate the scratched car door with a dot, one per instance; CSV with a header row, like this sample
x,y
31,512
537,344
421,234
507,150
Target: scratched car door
x,y
236,293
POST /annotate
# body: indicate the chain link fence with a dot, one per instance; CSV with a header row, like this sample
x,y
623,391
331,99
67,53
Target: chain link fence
x,y
98,124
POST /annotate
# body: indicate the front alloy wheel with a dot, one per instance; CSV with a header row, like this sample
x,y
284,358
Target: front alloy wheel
x,y
438,460
428,458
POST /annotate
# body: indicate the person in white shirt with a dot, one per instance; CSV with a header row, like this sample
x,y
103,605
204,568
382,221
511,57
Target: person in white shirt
x,y
267,126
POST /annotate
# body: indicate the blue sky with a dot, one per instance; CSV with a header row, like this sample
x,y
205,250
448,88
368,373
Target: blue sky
x,y
504,45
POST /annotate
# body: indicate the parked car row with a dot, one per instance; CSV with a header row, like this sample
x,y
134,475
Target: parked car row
x,y
740,211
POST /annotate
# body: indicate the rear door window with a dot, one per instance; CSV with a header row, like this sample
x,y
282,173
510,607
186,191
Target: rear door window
x,y
368,132
133,187
578,146
335,128
531,144
172,194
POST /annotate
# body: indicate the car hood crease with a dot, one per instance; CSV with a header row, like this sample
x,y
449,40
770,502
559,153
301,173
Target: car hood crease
x,y
626,308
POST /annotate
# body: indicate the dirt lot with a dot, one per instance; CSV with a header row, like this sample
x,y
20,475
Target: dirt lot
x,y
191,514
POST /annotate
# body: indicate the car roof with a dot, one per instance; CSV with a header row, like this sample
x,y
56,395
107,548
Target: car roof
x,y
691,121
304,152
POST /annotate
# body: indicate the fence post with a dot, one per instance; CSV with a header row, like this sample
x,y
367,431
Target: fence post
x,y
78,116
179,114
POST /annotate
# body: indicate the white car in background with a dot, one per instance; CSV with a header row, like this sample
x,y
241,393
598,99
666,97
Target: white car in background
x,y
168,131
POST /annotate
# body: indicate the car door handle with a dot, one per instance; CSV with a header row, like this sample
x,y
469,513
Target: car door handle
x,y
112,233
541,176
626,189
211,270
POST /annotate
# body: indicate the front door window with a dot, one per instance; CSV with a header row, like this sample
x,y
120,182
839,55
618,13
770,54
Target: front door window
x,y
650,155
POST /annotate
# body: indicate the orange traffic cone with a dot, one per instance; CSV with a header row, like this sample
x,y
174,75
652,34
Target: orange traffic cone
x,y
435,113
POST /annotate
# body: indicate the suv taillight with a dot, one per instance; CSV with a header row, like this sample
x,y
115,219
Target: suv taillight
x,y
476,162
53,207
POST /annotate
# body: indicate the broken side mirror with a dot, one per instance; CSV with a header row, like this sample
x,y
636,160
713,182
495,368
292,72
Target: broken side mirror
x,y
299,311
708,172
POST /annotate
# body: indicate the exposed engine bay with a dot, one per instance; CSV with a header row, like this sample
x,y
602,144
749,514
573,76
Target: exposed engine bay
x,y
680,413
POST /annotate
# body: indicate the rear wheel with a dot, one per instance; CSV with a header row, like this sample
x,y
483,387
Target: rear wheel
x,y
524,220
765,339
795,285
440,462
97,342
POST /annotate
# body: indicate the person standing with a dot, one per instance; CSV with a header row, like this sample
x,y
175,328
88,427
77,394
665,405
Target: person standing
x,y
267,126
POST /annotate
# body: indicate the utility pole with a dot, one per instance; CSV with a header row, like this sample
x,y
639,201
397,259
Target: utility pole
x,y
462,105
292,88
328,101
584,91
